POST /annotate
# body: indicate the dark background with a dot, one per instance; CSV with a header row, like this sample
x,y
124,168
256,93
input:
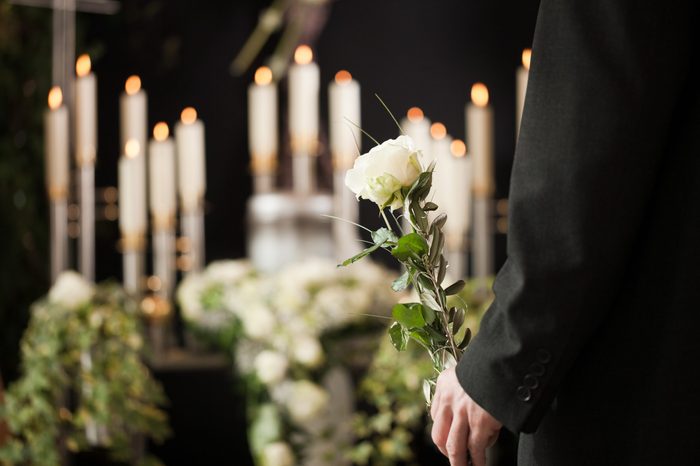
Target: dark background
x,y
410,52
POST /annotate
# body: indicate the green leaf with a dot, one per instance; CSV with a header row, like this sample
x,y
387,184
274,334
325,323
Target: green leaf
x,y
442,269
422,337
455,288
398,336
410,316
402,282
439,221
427,391
409,245
419,216
421,187
382,236
436,247
430,206
428,315
361,255
428,299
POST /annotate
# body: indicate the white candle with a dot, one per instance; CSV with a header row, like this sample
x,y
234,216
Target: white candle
x,y
479,119
161,168
442,176
132,191
56,146
417,126
304,82
344,120
460,189
521,78
262,123
85,112
191,169
133,106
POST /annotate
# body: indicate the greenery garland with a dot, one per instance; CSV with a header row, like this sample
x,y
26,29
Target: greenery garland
x,y
81,370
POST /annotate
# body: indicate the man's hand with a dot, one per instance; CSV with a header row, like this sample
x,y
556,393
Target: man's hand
x,y
459,424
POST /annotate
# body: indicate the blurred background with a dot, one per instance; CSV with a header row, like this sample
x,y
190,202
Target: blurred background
x,y
410,52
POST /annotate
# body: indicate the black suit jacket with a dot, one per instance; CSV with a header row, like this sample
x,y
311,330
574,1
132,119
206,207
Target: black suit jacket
x,y
592,345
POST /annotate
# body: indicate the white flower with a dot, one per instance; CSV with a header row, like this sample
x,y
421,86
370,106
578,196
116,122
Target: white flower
x,y
270,367
380,174
277,454
228,271
307,350
258,322
306,402
71,290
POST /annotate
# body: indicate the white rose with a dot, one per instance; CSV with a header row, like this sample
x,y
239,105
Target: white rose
x,y
270,367
277,454
258,322
307,350
380,174
228,271
306,402
71,290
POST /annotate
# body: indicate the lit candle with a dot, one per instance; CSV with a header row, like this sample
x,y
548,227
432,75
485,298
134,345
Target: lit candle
x,y
56,146
161,156
442,176
344,120
133,106
132,191
417,126
479,118
460,189
521,87
262,123
191,170
304,79
85,112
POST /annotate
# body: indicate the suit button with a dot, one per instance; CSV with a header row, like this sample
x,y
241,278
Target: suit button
x,y
537,369
524,393
544,356
530,381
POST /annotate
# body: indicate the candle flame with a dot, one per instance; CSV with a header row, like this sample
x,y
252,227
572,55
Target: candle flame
x,y
188,115
55,97
161,131
527,57
343,77
414,114
303,55
83,65
458,148
263,76
438,131
132,148
133,85
480,95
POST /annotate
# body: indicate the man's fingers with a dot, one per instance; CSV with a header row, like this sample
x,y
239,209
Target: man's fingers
x,y
477,444
456,445
441,428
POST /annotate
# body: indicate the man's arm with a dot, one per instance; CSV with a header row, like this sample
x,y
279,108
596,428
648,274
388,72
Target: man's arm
x,y
605,79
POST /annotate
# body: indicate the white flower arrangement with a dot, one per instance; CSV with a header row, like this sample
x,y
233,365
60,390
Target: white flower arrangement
x,y
283,323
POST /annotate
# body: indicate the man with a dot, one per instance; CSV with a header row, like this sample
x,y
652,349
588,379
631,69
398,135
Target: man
x,y
591,348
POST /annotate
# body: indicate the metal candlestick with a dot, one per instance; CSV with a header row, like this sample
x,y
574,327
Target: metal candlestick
x,y
59,236
133,262
193,229
86,246
164,259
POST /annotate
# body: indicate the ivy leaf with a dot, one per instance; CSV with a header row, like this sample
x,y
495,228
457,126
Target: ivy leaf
x,y
382,236
410,316
402,282
455,288
409,245
398,336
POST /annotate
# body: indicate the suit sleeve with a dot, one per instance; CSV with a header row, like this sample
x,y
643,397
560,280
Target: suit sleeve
x,y
605,80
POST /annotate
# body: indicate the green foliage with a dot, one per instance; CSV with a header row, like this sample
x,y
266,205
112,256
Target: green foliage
x,y
81,367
